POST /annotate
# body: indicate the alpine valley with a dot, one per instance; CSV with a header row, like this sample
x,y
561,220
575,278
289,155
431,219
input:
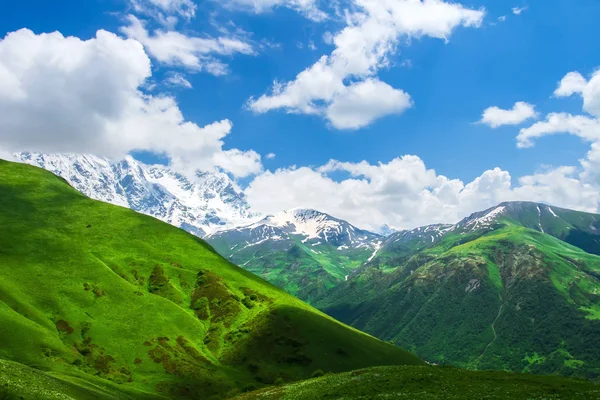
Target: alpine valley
x,y
515,287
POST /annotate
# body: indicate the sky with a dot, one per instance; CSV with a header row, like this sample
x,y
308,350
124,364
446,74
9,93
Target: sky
x,y
381,112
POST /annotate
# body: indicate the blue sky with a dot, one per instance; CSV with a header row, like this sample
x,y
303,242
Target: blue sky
x,y
491,56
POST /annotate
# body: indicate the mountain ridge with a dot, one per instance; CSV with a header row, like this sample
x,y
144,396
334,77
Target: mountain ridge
x,y
199,204
516,287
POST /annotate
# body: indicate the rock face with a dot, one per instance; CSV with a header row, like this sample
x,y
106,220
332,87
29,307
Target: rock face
x,y
200,204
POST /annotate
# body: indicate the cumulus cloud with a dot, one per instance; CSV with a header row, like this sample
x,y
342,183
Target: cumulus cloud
x,y
575,83
64,94
270,156
347,77
363,102
309,8
177,49
496,117
404,193
572,83
578,125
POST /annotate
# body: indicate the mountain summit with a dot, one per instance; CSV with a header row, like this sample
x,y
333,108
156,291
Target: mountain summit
x,y
200,204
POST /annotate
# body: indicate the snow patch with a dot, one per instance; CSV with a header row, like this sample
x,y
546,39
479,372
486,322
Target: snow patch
x,y
377,248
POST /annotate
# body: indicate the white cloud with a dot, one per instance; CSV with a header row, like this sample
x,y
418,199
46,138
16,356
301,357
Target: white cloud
x,y
519,10
270,156
309,8
166,12
575,83
176,49
7,155
63,94
239,163
404,193
363,102
579,186
502,18
178,80
361,50
578,125
572,83
560,186
496,117
585,127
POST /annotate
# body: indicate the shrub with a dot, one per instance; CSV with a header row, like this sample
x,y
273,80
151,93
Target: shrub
x,y
318,373
249,388
279,381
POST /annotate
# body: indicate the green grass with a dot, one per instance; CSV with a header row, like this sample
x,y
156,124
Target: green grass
x,y
95,293
430,383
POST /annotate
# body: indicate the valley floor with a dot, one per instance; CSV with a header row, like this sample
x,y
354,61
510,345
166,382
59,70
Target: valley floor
x,y
431,383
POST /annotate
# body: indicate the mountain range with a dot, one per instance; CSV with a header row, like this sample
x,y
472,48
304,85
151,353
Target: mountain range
x,y
514,287
100,302
306,252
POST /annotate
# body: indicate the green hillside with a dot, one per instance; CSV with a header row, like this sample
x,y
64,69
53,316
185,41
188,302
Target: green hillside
x,y
304,270
431,383
501,297
97,301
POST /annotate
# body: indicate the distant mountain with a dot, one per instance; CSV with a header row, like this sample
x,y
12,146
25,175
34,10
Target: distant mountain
x,y
577,228
513,287
200,204
306,252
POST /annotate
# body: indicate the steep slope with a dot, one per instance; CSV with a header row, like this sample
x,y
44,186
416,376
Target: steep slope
x,y
199,204
431,383
108,303
305,252
490,293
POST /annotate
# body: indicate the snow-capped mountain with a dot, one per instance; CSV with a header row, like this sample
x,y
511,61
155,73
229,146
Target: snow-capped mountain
x,y
532,215
201,204
303,251
423,234
310,226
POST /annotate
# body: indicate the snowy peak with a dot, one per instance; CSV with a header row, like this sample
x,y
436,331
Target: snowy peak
x,y
536,216
483,219
200,204
418,237
311,227
314,226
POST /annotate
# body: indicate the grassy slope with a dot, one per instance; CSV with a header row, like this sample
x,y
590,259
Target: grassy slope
x,y
513,299
300,269
429,383
97,293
